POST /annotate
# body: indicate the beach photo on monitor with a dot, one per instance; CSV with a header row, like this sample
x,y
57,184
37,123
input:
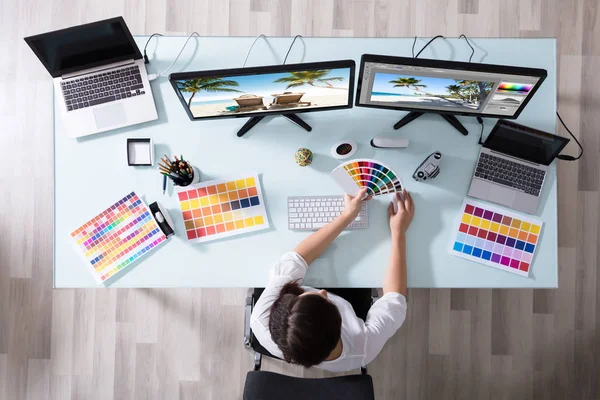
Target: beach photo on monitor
x,y
411,90
270,92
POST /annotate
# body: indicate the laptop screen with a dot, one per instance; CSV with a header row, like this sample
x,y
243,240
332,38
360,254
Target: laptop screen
x,y
525,143
84,46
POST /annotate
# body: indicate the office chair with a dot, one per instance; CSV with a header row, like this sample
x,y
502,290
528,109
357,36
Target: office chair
x,y
262,385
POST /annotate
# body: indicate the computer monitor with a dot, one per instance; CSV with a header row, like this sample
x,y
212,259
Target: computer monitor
x,y
447,88
260,91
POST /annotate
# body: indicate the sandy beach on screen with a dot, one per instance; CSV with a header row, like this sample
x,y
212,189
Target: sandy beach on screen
x,y
339,98
425,100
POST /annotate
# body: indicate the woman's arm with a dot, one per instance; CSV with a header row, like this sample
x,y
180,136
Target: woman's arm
x,y
313,246
395,274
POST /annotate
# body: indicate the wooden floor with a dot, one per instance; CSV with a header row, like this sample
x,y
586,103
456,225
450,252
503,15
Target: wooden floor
x,y
169,344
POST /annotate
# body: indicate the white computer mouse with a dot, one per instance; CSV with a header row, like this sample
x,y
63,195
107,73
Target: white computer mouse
x,y
386,142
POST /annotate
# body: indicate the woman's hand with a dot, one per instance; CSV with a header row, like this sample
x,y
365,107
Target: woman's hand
x,y
400,221
352,204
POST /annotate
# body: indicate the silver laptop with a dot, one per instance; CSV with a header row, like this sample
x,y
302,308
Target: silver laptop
x,y
100,81
512,165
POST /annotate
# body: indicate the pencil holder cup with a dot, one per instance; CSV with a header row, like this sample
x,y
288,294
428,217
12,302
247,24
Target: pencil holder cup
x,y
194,179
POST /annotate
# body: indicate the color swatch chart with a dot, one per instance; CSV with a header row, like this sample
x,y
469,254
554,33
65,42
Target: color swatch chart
x,y
371,174
495,237
117,237
221,208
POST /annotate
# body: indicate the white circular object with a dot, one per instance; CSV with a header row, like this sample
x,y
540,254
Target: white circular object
x,y
344,149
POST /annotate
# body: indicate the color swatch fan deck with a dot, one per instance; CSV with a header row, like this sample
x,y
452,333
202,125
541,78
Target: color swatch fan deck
x,y
496,237
222,208
117,237
373,175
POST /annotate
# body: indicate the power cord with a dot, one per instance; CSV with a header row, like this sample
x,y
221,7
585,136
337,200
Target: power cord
x,y
152,77
566,157
423,48
462,35
480,120
146,61
290,48
469,44
262,35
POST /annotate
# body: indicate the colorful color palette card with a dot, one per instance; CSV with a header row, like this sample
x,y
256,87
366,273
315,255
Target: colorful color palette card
x,y
373,175
117,237
495,237
222,208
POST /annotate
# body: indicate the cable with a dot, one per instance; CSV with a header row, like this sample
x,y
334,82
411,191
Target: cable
x,y
146,61
413,47
152,77
428,43
462,35
480,120
290,48
251,46
566,157
472,49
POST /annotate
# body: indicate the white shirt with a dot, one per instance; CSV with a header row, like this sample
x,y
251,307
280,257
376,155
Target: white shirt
x,y
362,340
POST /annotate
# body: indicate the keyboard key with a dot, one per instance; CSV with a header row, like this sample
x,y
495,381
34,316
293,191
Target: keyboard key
x,y
103,100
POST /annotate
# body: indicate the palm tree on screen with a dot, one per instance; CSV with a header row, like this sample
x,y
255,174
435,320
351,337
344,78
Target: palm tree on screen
x,y
312,78
408,83
211,85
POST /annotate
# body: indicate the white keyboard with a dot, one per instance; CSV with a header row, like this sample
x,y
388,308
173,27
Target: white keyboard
x,y
310,213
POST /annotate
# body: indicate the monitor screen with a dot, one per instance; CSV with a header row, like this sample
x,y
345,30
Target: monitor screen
x,y
445,86
266,90
84,46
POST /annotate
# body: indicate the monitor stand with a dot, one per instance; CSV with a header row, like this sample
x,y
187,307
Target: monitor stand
x,y
255,120
412,115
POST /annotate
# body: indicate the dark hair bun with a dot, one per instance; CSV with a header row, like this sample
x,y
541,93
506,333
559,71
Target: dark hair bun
x,y
305,328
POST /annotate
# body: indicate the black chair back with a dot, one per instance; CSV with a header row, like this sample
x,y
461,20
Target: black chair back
x,y
263,385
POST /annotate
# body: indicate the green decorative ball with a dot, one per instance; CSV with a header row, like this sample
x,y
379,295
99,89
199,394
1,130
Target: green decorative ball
x,y
303,157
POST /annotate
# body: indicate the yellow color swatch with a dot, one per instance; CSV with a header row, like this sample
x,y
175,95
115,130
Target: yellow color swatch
x,y
494,227
258,220
228,216
223,198
535,229
485,224
515,223
249,221
195,203
250,182
214,199
204,201
231,185
504,230
466,218
525,226
239,224
185,205
240,184
476,221
209,221
218,218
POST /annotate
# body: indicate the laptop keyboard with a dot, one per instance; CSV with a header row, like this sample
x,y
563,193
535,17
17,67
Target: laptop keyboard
x,y
102,88
509,173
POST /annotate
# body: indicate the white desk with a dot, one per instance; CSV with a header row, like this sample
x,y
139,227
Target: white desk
x,y
92,172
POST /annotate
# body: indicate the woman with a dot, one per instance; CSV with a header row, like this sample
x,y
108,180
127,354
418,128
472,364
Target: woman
x,y
314,328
